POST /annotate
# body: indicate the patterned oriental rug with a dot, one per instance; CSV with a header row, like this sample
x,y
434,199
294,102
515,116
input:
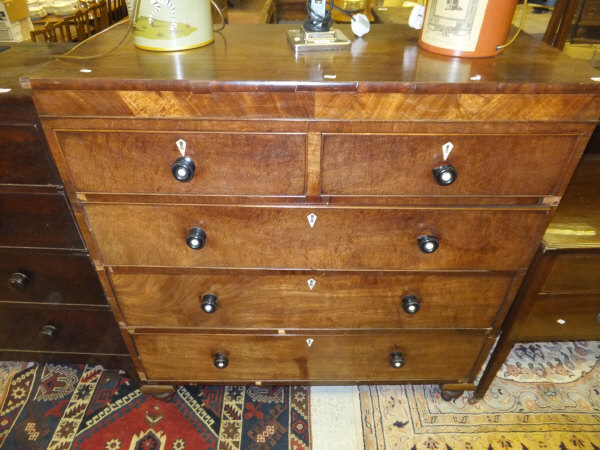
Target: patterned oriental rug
x,y
546,396
49,406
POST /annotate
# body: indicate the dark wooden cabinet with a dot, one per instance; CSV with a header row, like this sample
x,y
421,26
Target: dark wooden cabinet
x,y
560,297
354,216
52,306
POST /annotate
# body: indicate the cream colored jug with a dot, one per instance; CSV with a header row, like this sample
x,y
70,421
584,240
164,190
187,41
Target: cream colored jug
x,y
170,25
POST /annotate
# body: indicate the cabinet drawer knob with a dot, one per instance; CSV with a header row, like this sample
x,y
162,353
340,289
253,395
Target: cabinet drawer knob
x,y
221,361
396,360
18,281
183,169
209,303
411,304
444,175
196,238
428,244
48,333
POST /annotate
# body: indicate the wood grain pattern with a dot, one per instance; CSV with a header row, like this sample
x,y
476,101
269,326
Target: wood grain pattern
x,y
351,358
336,301
320,105
574,273
25,160
580,313
55,277
391,62
486,164
80,330
456,107
29,220
226,164
272,237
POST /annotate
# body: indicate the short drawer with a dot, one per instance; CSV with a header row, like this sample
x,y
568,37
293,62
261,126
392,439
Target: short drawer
x,y
575,273
340,238
396,164
225,163
41,220
562,317
309,300
59,329
46,277
317,358
24,157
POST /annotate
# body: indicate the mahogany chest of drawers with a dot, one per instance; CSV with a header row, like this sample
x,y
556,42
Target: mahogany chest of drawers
x,y
363,216
560,297
52,306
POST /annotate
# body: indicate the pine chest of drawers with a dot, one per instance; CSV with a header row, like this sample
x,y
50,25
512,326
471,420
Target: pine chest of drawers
x,y
52,305
363,216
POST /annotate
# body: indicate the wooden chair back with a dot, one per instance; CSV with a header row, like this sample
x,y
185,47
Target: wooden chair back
x,y
97,13
77,26
52,32
117,10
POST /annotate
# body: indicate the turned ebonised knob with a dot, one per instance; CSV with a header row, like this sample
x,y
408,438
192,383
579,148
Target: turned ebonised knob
x,y
48,333
411,304
428,244
196,238
183,169
444,175
396,360
209,303
220,361
18,281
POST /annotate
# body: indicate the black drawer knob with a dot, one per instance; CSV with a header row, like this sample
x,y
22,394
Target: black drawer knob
x,y
221,361
444,175
48,333
396,360
411,304
196,238
428,244
18,281
209,303
183,169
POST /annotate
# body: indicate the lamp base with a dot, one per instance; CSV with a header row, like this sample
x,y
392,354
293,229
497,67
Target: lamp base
x,y
310,41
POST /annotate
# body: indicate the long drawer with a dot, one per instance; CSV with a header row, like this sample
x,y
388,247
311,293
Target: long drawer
x,y
563,317
340,238
59,329
438,356
225,163
287,300
37,220
28,276
24,157
404,163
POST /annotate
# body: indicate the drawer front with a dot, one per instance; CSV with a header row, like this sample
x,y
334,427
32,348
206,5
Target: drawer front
x,y
76,330
24,157
225,163
48,278
574,273
37,221
580,317
366,357
271,237
403,164
310,300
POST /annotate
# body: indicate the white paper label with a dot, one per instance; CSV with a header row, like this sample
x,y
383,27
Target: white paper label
x,y
454,24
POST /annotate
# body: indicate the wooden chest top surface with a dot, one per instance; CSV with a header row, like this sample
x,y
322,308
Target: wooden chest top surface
x,y
258,58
